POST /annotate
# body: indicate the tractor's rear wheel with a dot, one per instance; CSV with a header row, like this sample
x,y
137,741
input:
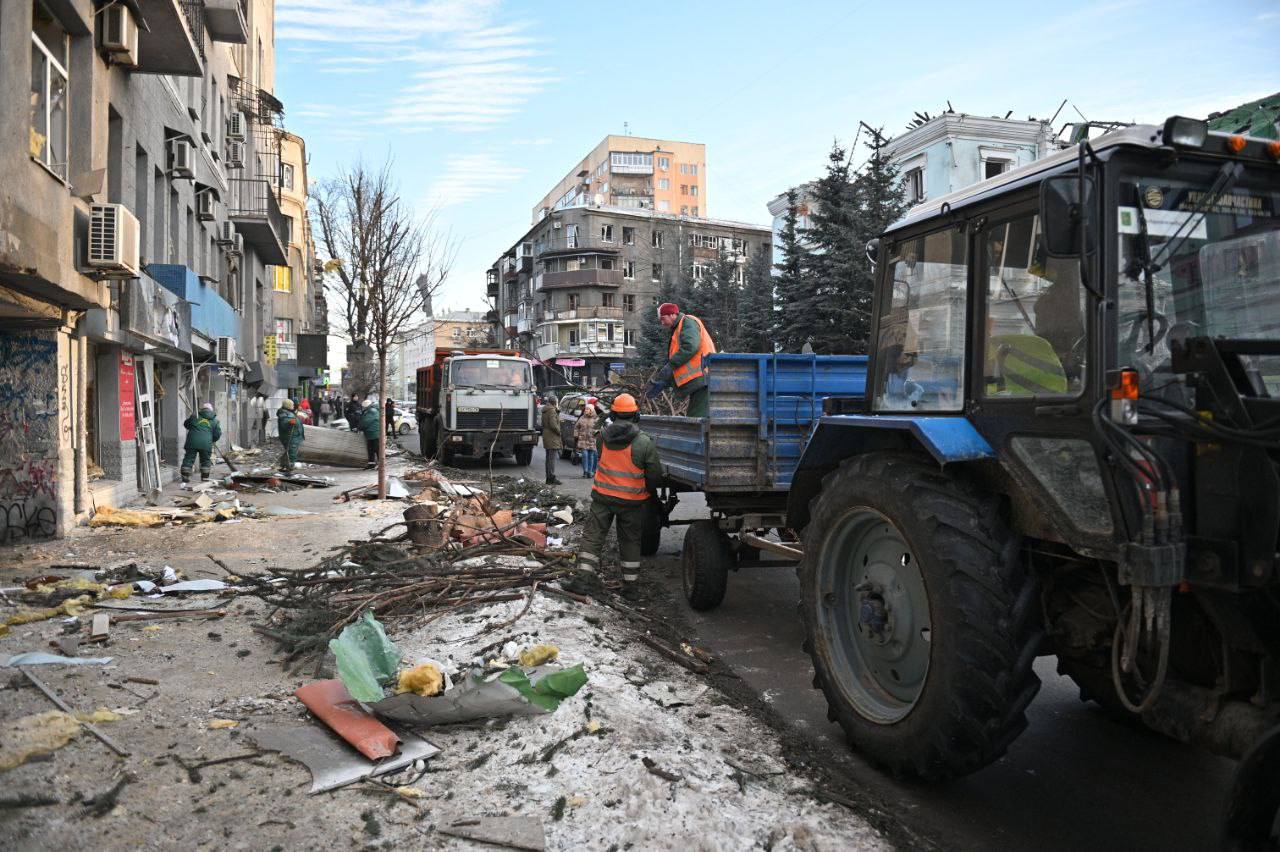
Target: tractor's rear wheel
x,y
921,623
1252,815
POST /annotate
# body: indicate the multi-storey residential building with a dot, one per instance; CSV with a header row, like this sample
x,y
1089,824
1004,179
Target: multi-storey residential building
x,y
637,173
300,324
573,290
138,229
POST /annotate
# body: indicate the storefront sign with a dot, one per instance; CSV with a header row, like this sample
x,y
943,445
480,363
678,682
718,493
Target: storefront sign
x,y
571,362
269,349
128,416
154,313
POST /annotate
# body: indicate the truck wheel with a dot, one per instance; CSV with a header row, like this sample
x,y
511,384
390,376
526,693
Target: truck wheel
x,y
706,561
443,454
650,530
427,439
524,455
921,623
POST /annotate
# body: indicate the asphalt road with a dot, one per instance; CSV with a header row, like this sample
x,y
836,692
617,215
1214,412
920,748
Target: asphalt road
x,y
1074,780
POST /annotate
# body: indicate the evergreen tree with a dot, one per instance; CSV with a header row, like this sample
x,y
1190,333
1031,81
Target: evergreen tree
x,y
723,294
833,259
757,320
879,203
651,346
790,329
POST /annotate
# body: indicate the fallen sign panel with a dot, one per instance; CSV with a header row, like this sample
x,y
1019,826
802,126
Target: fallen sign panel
x,y
341,447
331,761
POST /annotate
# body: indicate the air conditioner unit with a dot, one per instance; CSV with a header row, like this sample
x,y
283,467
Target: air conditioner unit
x,y
121,37
226,234
236,124
237,246
114,240
235,155
226,350
180,158
206,206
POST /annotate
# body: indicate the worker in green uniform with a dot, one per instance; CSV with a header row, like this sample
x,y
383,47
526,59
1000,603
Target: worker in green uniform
x,y
289,426
370,425
686,368
202,432
626,478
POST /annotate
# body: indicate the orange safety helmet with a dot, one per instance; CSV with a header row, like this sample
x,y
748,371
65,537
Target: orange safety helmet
x,y
625,403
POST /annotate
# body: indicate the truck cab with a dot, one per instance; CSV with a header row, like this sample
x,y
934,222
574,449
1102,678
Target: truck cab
x,y
477,403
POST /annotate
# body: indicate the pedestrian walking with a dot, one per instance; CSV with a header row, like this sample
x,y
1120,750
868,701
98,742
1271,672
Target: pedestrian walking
x,y
627,476
552,441
290,431
326,410
203,432
304,410
352,412
584,439
265,417
689,344
391,418
370,423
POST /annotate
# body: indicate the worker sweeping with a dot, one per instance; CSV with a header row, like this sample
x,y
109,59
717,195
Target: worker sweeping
x,y
626,477
203,432
687,349
290,429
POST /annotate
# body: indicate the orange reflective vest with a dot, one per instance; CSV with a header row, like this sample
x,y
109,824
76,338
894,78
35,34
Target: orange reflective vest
x,y
691,369
618,476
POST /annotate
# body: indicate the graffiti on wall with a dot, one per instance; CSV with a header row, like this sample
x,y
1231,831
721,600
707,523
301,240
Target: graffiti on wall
x,y
30,425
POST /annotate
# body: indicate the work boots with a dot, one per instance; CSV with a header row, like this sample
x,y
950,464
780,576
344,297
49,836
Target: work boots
x,y
584,581
630,590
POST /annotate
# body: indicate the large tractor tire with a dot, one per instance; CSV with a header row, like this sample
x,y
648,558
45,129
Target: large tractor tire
x,y
524,455
921,623
705,564
1251,818
650,529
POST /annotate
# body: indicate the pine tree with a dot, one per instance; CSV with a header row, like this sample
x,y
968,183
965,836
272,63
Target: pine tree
x,y
879,203
757,320
722,302
651,347
791,326
833,258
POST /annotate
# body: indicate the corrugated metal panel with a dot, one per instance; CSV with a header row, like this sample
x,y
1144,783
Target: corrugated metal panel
x,y
762,409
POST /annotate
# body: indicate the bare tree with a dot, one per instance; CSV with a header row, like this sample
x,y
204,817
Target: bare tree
x,y
385,264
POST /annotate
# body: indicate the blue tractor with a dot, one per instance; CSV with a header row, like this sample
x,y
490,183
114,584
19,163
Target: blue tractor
x,y
1065,440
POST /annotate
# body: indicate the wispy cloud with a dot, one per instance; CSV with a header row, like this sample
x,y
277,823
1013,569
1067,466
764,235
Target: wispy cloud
x,y
469,176
455,63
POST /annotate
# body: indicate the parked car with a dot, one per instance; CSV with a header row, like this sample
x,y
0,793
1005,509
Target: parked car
x,y
571,405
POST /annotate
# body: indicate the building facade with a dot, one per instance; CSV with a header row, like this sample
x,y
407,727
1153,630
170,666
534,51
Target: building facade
x,y
139,227
635,173
572,292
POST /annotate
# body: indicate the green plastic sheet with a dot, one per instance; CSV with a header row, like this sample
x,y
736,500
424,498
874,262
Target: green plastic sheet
x,y
550,689
366,658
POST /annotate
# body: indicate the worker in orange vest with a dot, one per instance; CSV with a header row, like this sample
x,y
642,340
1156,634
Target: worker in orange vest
x,y
626,477
687,349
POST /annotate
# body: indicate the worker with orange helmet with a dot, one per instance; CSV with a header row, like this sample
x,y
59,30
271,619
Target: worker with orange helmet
x,y
626,478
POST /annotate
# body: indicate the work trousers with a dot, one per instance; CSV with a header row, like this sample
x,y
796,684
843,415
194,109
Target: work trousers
x,y
371,447
590,458
599,519
551,462
289,458
699,403
189,459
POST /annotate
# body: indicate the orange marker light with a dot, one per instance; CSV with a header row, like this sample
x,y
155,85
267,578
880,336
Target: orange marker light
x,y
1273,148
1126,386
1235,144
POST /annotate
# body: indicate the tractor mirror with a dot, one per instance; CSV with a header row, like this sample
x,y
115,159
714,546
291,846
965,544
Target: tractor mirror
x,y
1067,221
873,251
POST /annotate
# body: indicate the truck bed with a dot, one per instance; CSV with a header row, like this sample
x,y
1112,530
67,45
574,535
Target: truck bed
x,y
762,410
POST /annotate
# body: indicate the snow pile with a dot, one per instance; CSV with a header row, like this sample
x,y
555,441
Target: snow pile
x,y
588,770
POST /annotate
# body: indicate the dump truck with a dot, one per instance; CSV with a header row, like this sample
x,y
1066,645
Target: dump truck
x,y
477,403
1064,440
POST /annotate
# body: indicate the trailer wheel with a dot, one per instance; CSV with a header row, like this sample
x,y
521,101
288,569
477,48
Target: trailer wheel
x,y
427,439
650,530
921,623
706,561
524,455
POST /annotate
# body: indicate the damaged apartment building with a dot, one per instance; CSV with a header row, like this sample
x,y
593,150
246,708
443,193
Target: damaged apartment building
x,y
141,238
572,292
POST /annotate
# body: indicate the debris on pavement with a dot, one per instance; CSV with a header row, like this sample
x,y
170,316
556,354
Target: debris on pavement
x,y
330,702
65,708
330,760
512,832
37,734
43,658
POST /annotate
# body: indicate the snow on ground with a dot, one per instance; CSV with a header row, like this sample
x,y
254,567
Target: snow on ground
x,y
735,791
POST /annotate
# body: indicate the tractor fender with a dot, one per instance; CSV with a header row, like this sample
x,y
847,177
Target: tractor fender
x,y
836,437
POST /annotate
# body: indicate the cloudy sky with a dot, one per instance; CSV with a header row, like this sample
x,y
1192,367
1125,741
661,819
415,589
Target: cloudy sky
x,y
484,105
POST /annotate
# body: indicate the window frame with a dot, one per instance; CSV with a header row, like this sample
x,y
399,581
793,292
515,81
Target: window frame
x,y
53,63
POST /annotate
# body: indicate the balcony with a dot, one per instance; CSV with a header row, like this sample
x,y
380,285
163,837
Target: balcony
x,y
211,315
588,312
224,20
594,347
578,278
252,205
577,245
173,42
524,325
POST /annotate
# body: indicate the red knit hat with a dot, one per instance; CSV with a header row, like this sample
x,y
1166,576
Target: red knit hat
x,y
667,309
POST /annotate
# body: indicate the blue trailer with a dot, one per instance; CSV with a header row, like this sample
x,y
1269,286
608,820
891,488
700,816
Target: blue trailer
x,y
744,458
